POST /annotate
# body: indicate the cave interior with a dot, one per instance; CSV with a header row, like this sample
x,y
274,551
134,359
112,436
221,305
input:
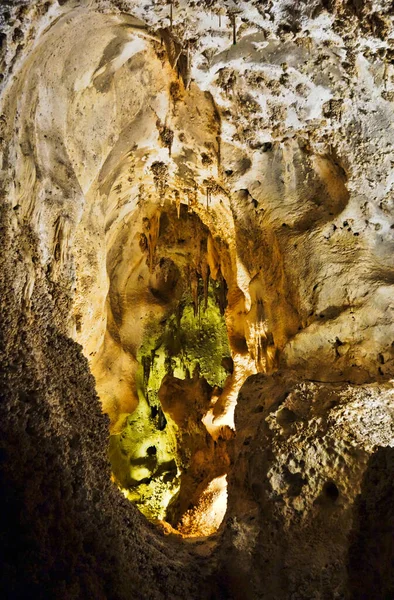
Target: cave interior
x,y
197,342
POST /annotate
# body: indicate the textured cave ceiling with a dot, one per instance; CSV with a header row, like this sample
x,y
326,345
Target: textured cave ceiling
x,y
198,233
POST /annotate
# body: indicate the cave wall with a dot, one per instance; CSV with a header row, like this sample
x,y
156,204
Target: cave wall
x,y
282,144
307,486
66,531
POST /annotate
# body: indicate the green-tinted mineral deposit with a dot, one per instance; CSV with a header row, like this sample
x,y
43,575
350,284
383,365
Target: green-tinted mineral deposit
x,y
144,455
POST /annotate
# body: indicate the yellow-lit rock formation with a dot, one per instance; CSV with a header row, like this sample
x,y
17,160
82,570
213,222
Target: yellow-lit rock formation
x,y
199,197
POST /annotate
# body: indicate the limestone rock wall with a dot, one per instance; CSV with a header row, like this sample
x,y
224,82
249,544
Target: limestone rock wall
x,y
66,531
302,475
282,144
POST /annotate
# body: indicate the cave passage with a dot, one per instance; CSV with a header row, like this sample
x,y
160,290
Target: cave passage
x,y
162,455
198,233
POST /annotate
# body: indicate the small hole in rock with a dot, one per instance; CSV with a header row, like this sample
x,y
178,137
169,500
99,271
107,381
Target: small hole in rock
x,y
331,491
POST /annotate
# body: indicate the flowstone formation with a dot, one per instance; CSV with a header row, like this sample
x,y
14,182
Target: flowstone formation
x,y
197,299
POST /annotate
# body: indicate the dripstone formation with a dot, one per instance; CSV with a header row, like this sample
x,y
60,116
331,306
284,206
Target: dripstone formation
x,y
197,315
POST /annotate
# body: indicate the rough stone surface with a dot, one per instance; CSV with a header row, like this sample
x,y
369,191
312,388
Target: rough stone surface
x,y
280,146
66,531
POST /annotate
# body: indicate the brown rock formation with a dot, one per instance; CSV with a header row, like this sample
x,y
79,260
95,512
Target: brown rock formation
x,y
197,241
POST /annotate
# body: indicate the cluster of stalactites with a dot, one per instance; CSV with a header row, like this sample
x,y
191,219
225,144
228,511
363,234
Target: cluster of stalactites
x,y
201,269
199,274
177,195
199,278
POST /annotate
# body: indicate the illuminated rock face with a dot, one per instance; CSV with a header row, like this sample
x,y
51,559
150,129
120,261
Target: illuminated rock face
x,y
212,223
162,455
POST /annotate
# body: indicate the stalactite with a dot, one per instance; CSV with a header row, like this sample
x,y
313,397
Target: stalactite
x,y
205,278
213,258
221,13
194,290
219,153
212,187
258,350
221,293
233,23
180,306
191,197
233,13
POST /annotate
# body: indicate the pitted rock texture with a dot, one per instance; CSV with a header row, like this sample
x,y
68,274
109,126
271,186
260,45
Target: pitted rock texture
x,y
272,125
302,474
